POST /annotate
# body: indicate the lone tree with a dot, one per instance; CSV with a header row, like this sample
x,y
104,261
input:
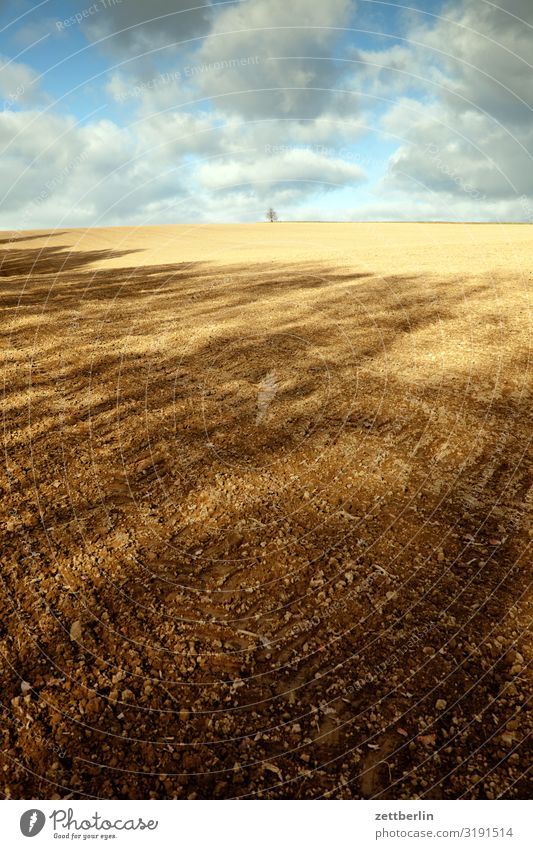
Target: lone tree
x,y
271,215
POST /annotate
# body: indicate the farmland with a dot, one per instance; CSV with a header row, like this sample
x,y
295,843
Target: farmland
x,y
267,501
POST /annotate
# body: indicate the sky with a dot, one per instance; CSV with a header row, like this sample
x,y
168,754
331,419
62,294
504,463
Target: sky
x,y
128,112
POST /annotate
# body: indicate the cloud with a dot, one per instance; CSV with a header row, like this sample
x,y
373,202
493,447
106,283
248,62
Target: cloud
x,y
17,84
463,153
432,207
56,171
486,54
258,107
294,48
36,30
471,137
173,135
132,27
259,58
294,166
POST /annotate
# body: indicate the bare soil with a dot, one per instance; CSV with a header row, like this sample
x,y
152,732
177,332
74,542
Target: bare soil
x,y
266,498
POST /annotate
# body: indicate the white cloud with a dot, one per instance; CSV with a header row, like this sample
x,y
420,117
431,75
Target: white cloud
x,y
472,138
293,165
56,172
257,75
18,85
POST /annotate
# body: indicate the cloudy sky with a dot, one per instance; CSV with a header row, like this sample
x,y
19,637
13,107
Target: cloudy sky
x,y
136,112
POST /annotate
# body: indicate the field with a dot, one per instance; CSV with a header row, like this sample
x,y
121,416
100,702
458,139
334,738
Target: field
x,y
267,500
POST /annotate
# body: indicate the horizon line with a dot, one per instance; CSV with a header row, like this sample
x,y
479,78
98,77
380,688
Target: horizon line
x,y
254,223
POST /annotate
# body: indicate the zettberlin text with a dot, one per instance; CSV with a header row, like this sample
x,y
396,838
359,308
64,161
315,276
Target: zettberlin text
x,y
399,815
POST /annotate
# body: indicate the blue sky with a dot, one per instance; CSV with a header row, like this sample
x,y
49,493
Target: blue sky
x,y
122,111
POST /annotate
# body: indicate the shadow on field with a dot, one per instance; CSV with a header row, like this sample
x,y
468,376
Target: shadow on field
x,y
44,262
160,424
12,240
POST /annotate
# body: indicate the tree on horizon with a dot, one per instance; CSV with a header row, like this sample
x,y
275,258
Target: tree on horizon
x,y
271,215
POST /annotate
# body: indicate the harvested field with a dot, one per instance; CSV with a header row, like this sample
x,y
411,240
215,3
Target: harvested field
x,y
267,500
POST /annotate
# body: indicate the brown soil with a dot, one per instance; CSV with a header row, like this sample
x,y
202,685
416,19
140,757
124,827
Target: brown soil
x,y
266,494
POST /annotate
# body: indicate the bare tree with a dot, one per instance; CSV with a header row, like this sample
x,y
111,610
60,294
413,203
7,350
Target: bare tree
x,y
271,215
